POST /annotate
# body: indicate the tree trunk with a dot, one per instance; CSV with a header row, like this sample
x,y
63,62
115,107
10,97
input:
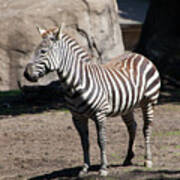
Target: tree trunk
x,y
160,37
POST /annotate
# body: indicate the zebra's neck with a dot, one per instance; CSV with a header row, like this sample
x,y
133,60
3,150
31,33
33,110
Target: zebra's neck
x,y
73,58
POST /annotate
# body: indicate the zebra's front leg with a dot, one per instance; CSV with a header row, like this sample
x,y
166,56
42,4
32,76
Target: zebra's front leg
x,y
101,135
82,128
148,115
131,126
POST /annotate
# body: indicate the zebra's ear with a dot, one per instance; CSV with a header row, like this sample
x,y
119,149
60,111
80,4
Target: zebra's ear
x,y
59,33
40,30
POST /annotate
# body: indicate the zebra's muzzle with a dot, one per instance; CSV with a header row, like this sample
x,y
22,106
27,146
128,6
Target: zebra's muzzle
x,y
30,78
29,75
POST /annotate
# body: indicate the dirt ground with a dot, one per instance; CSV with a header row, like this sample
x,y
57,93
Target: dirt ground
x,y
45,145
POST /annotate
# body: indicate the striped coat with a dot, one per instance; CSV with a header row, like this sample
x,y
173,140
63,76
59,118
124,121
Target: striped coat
x,y
98,91
116,87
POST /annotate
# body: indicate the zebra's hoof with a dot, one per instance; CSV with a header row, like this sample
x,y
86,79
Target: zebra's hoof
x,y
103,172
148,164
82,173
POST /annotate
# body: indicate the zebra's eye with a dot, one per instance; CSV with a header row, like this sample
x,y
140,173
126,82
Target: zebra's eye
x,y
42,51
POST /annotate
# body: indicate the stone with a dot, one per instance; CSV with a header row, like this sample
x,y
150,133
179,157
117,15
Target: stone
x,y
94,24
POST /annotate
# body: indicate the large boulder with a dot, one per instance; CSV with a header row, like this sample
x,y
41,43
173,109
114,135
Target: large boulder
x,y
93,23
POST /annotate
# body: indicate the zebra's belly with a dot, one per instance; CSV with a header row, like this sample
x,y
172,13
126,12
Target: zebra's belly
x,y
80,107
116,113
112,106
87,106
122,110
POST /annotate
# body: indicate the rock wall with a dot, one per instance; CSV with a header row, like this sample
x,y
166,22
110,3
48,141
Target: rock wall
x,y
93,23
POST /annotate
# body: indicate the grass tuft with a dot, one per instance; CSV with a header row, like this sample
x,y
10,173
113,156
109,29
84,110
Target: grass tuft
x,y
169,133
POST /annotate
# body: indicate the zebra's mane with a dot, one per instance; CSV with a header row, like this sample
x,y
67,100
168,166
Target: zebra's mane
x,y
86,56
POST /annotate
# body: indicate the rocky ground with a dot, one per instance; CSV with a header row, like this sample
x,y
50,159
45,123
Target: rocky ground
x,y
40,143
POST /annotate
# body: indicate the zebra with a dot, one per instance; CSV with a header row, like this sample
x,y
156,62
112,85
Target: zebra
x,y
97,91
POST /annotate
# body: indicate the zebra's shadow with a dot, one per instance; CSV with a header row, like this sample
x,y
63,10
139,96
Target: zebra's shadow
x,y
67,173
70,173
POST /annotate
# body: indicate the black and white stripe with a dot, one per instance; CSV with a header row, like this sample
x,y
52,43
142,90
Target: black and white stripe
x,y
98,91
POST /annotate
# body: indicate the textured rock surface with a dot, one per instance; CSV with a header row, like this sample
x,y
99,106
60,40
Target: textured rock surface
x,y
93,23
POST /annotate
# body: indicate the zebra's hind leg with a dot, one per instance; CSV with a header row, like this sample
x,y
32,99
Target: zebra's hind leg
x,y
82,127
101,139
131,126
148,116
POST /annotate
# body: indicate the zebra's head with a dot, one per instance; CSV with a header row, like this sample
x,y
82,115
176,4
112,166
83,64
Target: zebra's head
x,y
45,56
